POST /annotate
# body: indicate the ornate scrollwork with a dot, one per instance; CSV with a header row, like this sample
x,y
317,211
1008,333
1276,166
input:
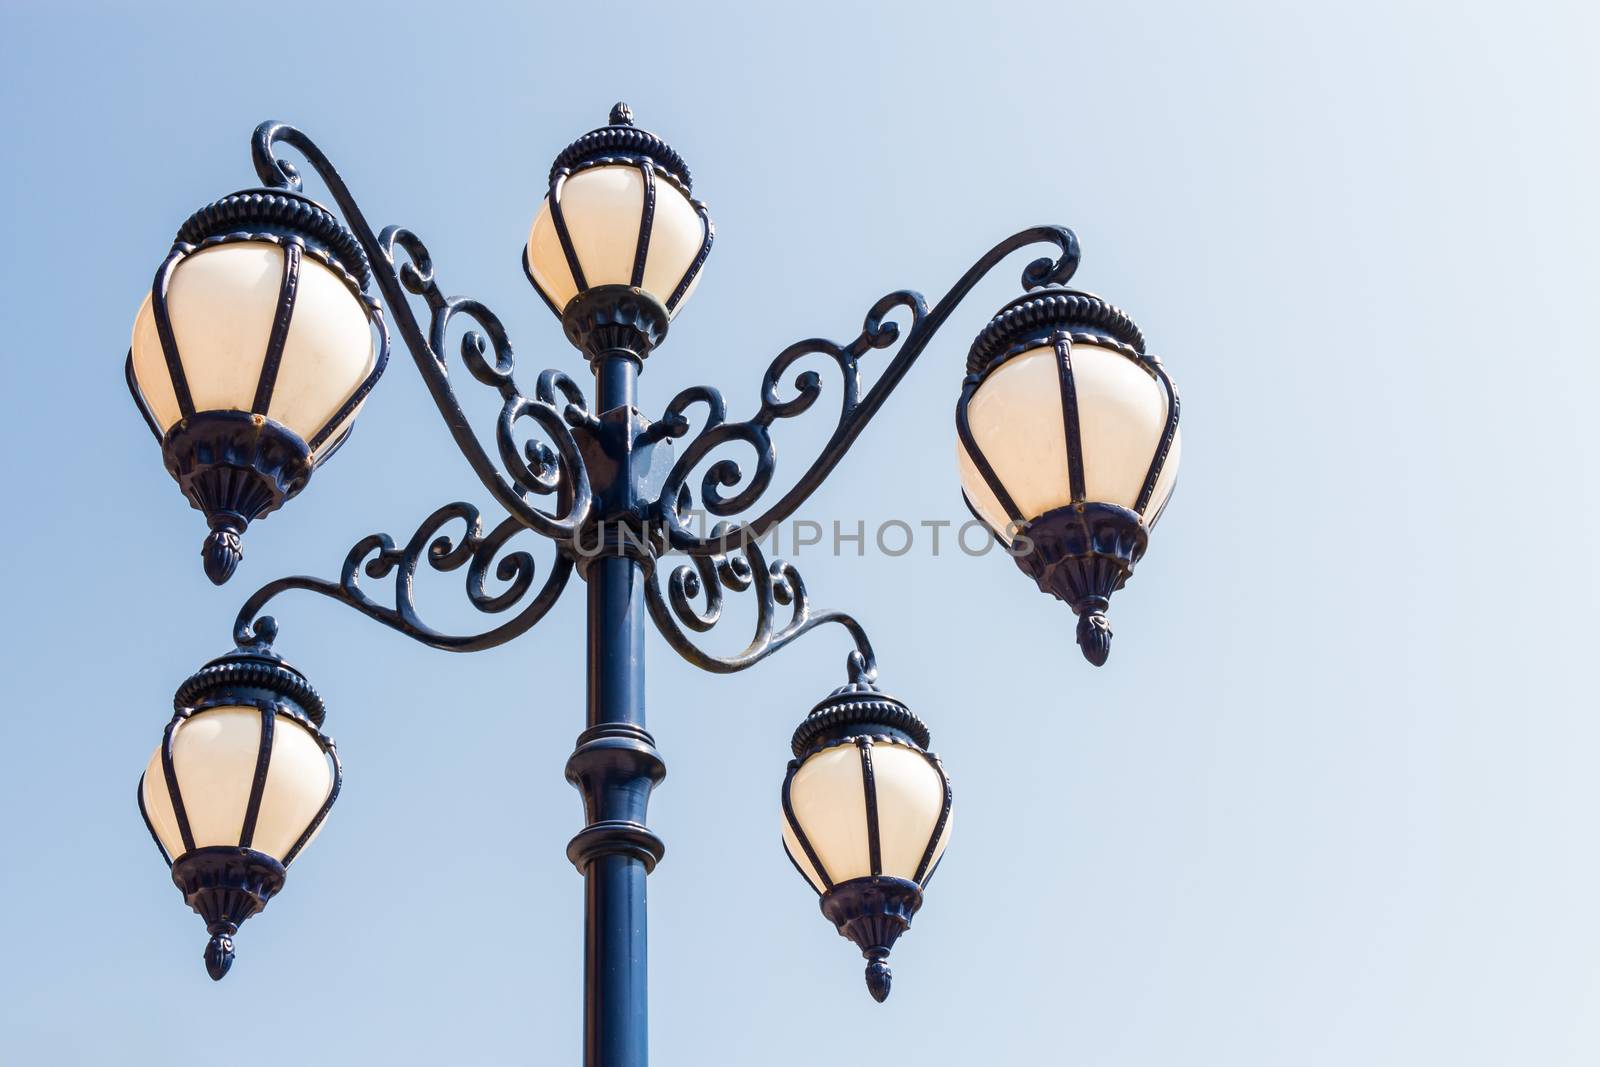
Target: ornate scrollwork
x,y
856,408
534,467
378,557
693,599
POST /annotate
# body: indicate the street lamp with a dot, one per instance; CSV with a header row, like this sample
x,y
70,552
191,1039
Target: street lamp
x,y
258,345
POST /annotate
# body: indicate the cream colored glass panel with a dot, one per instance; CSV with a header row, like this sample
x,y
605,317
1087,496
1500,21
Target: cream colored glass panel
x,y
327,353
1122,412
214,754
1016,420
830,806
675,241
158,806
910,797
546,262
299,779
791,844
603,208
1165,480
150,368
221,303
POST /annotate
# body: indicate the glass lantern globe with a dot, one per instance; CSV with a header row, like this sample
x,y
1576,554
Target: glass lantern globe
x,y
252,355
866,818
240,784
619,240
1068,446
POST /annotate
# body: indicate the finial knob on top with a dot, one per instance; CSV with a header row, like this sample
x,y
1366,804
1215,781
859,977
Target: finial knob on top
x,y
621,114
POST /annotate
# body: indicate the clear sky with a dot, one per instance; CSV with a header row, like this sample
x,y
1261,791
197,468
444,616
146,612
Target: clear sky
x,y
1332,800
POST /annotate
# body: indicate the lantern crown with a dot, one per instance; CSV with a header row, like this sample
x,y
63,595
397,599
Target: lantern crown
x,y
279,213
857,708
1030,319
621,141
251,673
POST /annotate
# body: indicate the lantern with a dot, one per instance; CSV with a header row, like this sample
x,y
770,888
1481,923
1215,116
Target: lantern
x,y
866,817
1068,446
252,355
240,784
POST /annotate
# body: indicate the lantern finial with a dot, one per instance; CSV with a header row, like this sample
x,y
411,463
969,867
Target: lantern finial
x,y
222,551
219,956
879,977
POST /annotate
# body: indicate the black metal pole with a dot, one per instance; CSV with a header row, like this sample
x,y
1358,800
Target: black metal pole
x,y
615,765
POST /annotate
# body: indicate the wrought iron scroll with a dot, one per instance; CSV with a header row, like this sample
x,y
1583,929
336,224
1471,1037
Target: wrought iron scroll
x,y
536,467
693,598
856,408
378,557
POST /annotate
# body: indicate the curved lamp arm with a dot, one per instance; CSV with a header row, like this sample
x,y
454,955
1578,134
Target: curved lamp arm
x,y
536,467
776,585
855,409
475,549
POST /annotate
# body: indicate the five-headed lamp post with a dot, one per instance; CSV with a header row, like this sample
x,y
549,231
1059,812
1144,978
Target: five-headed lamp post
x,y
262,338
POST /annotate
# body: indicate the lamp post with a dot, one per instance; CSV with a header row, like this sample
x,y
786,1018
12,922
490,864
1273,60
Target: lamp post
x,y
258,345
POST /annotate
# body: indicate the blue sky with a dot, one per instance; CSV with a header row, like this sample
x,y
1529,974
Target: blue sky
x,y
1331,801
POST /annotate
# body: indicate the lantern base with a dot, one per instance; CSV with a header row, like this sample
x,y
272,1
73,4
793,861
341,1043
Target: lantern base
x,y
873,913
1082,554
234,467
615,318
225,885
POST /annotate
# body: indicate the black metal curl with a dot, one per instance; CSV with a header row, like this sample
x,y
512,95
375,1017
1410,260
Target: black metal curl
x,y
379,557
856,408
536,467
776,585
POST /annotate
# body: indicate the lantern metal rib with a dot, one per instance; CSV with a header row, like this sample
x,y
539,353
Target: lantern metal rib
x,y
169,346
710,230
869,794
287,292
144,813
1159,462
560,221
924,875
979,460
647,220
322,813
800,832
1062,343
258,786
169,772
